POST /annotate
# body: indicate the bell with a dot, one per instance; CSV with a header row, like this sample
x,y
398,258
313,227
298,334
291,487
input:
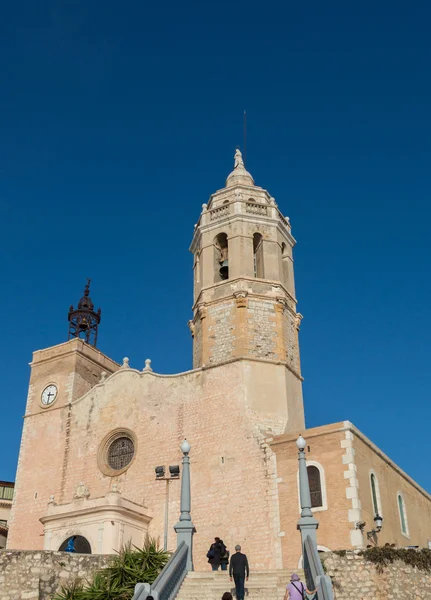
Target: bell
x,y
83,326
224,269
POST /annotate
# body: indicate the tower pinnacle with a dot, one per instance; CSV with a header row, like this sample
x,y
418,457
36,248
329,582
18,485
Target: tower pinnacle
x,y
84,320
239,175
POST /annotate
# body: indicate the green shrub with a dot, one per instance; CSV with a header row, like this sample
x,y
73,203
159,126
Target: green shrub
x,y
385,555
117,581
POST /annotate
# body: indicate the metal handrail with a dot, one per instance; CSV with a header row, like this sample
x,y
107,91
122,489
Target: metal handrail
x,y
168,583
314,572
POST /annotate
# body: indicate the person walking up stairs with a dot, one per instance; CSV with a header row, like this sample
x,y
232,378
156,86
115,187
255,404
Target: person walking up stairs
x,y
239,571
267,584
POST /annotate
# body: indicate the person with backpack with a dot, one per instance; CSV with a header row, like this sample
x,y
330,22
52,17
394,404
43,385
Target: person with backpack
x,y
296,590
224,560
214,554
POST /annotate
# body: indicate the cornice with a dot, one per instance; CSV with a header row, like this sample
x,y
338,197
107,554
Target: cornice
x,y
230,293
257,360
348,426
70,348
247,217
92,510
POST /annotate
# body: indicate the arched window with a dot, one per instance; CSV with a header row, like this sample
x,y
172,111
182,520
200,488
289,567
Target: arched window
x,y
76,543
221,257
315,486
403,515
375,495
258,255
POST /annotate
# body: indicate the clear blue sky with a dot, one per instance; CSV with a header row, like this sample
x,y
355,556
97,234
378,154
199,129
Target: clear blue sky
x,y
118,120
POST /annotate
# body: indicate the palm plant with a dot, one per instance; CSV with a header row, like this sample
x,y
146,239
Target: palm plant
x,y
117,581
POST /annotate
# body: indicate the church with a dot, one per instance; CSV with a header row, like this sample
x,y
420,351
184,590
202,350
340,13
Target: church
x,y
101,441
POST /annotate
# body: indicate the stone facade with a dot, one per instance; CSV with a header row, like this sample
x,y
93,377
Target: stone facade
x,y
240,407
345,459
161,411
355,578
39,575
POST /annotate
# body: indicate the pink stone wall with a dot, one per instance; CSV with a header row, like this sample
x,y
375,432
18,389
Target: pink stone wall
x,y
234,493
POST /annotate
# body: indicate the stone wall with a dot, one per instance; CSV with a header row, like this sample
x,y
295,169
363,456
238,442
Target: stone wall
x,y
26,574
357,579
230,477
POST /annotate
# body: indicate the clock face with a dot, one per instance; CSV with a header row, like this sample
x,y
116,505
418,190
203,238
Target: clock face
x,y
49,394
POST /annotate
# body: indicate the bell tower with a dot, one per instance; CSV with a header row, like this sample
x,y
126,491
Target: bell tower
x,y
244,291
84,320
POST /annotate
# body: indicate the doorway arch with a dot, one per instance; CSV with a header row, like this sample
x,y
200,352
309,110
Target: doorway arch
x,y
79,543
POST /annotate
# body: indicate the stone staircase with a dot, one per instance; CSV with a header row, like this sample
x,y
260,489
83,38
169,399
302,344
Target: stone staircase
x,y
262,585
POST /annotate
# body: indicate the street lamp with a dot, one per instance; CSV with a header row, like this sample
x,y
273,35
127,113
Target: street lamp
x,y
301,443
185,528
307,524
174,471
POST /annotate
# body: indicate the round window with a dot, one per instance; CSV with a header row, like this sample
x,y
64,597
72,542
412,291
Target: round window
x,y
120,453
117,452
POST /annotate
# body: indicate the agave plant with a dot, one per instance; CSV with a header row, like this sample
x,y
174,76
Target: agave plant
x,y
130,566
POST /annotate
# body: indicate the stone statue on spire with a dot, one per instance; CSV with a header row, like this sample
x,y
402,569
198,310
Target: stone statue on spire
x,y
238,159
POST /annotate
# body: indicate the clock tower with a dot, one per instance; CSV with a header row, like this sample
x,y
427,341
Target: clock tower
x,y
59,376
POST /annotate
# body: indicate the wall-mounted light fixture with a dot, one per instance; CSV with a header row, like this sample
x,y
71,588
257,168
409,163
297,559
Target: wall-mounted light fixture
x,y
378,524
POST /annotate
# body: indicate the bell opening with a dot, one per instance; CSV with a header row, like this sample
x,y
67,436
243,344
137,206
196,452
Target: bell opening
x,y
224,270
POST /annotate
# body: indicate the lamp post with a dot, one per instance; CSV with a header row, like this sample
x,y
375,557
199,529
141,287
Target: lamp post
x,y
185,528
174,471
307,524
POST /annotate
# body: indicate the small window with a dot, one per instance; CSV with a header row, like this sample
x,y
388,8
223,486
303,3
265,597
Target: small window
x,y
6,492
373,483
3,523
315,486
403,515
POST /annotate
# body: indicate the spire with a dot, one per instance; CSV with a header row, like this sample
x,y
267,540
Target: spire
x,y
84,321
239,175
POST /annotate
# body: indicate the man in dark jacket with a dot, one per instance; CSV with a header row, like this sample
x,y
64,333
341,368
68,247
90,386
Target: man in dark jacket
x,y
238,569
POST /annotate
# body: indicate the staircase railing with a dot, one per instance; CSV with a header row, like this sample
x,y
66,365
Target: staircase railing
x,y
314,573
168,583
